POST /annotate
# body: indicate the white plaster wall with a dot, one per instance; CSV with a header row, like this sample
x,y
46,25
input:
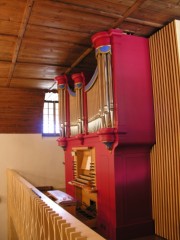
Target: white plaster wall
x,y
37,158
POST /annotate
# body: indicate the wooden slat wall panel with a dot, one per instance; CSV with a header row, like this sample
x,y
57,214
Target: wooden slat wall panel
x,y
21,111
165,156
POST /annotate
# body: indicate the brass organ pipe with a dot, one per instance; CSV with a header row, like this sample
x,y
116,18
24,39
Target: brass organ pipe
x,y
81,108
106,83
80,111
77,108
62,113
100,90
101,84
65,120
110,87
60,108
103,72
80,127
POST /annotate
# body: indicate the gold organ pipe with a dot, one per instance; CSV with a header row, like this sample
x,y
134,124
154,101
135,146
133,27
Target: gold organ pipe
x,y
106,86
104,79
64,107
100,89
93,107
60,109
110,87
77,108
81,108
62,116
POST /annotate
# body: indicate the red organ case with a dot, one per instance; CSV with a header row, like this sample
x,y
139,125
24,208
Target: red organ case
x,y
110,124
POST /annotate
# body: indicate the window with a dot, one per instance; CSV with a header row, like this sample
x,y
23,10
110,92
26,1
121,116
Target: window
x,y
51,114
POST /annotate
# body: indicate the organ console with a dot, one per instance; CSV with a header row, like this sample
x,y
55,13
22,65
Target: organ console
x,y
107,131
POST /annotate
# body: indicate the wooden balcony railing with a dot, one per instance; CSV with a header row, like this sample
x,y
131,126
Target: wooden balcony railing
x,y
33,216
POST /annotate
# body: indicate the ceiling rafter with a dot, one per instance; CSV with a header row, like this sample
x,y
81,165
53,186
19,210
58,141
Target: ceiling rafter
x,y
145,23
26,16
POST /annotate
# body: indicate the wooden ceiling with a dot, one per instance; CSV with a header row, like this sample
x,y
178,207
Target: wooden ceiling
x,y
40,39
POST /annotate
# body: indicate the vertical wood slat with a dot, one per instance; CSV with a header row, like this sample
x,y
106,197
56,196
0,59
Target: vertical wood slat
x,y
36,217
165,154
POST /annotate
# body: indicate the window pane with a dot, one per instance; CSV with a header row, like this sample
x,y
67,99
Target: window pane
x,y
50,105
45,111
51,111
51,116
45,105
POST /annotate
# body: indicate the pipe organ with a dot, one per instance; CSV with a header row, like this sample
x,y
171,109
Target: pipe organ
x,y
107,132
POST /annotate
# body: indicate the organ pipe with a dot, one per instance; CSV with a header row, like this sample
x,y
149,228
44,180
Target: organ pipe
x,y
79,83
63,106
103,55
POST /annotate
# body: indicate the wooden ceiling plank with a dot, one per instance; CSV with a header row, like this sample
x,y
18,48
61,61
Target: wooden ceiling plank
x,y
96,7
42,71
79,59
128,13
116,24
102,8
27,13
56,34
9,28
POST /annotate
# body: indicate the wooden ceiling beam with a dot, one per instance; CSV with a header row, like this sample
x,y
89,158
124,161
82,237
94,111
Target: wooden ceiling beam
x,y
145,23
25,19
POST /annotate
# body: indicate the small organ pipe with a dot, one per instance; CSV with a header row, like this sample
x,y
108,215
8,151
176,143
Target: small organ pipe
x,y
63,105
103,56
